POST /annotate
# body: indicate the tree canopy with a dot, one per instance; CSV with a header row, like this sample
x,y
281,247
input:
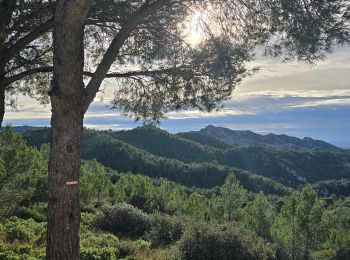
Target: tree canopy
x,y
144,44
158,69
156,66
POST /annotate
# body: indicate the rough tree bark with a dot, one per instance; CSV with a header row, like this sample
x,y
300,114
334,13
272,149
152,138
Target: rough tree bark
x,y
2,104
66,130
6,10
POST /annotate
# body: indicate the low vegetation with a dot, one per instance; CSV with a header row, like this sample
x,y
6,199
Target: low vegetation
x,y
130,216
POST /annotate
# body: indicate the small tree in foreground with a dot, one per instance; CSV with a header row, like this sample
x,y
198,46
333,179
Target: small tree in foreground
x,y
299,226
19,168
147,48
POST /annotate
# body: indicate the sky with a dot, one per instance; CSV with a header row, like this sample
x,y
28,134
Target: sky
x,y
296,99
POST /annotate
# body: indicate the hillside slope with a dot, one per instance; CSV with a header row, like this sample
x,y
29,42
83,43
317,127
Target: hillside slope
x,y
289,167
280,142
160,142
123,157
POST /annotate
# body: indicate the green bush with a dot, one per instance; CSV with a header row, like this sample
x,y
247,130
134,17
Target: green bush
x,y
22,239
142,245
165,229
23,230
87,220
124,219
324,254
98,246
9,255
36,212
220,242
104,253
90,239
21,251
343,253
127,248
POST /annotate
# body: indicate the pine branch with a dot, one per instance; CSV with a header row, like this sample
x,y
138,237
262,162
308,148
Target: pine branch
x,y
25,40
114,48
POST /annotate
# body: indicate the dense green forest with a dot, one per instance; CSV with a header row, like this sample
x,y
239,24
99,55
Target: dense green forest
x,y
153,204
182,158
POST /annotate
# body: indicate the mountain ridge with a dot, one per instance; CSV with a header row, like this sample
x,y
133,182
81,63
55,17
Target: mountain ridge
x,y
124,157
279,142
151,151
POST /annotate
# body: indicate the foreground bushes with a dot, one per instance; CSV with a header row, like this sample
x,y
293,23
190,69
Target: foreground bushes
x,y
165,229
197,241
22,239
124,219
20,230
25,239
201,242
99,246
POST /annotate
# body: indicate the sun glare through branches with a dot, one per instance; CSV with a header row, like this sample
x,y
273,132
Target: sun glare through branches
x,y
195,27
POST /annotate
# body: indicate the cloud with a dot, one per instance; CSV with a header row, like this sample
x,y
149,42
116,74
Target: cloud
x,y
291,98
329,102
261,102
333,72
198,114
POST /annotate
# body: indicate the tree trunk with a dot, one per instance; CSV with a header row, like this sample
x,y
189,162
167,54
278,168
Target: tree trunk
x,y
2,104
6,11
66,130
64,167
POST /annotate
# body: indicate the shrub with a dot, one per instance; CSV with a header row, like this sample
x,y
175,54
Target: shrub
x,y
23,230
21,251
124,219
87,220
142,245
89,239
220,242
343,253
36,212
127,248
22,239
104,253
99,246
165,229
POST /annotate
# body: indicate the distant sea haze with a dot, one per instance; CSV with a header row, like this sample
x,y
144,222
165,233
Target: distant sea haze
x,y
149,150
230,136
196,124
298,113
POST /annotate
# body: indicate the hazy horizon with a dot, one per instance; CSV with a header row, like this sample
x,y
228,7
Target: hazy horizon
x,y
283,98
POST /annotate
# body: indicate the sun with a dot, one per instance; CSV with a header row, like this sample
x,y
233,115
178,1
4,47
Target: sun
x,y
194,31
202,25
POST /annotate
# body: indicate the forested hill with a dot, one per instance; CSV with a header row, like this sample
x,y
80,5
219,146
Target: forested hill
x,y
290,167
123,157
204,162
129,216
248,138
25,128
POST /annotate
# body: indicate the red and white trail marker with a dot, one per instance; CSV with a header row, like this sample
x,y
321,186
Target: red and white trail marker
x,y
71,184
